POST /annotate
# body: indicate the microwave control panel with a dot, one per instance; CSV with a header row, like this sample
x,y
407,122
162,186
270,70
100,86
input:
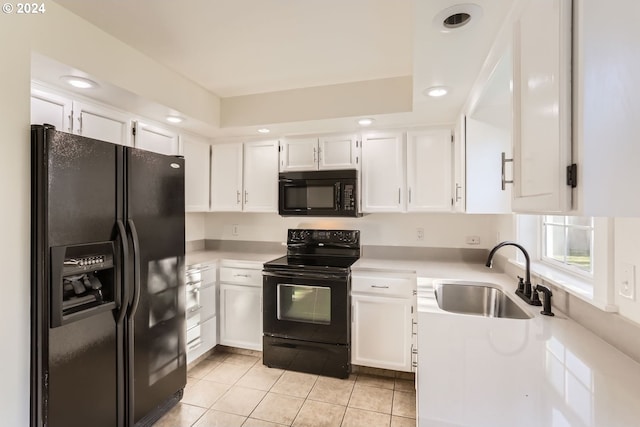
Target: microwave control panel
x,y
349,201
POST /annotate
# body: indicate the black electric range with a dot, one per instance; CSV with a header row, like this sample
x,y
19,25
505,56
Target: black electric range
x,y
306,302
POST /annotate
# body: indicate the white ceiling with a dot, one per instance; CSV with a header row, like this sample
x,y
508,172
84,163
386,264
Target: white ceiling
x,y
240,47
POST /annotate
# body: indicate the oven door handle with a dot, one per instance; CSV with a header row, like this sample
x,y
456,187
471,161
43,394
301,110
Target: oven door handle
x,y
305,275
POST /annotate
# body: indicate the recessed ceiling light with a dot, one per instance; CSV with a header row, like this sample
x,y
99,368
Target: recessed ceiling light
x,y
264,130
79,82
365,122
436,91
175,119
457,17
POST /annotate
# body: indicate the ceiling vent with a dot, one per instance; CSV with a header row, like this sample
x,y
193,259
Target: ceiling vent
x,y
457,17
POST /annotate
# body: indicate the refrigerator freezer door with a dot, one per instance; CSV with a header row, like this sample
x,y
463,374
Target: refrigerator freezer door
x,y
75,201
155,212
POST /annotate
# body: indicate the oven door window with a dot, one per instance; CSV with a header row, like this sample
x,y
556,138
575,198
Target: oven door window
x,y
306,304
310,197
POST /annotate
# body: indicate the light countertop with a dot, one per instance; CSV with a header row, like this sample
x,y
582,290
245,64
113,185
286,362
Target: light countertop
x,y
483,372
198,257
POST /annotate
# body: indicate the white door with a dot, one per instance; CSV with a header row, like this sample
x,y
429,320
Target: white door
x,y
542,107
381,332
226,177
241,316
196,174
105,124
260,176
383,183
156,138
299,154
429,170
338,152
51,109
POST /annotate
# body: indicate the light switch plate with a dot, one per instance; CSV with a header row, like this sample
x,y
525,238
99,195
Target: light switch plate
x,y
627,281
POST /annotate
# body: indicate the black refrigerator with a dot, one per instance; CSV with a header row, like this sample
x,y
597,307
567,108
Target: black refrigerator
x,y
107,286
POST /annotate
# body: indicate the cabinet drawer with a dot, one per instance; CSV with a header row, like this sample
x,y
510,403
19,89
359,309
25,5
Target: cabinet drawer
x,y
385,284
204,274
241,276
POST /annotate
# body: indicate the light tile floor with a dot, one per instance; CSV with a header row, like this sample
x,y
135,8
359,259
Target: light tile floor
x,y
230,389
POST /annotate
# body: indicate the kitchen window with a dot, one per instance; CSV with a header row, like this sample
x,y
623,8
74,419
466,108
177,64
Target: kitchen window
x,y
567,243
570,252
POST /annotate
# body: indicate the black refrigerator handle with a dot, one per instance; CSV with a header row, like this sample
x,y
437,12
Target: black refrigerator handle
x,y
133,307
124,297
136,268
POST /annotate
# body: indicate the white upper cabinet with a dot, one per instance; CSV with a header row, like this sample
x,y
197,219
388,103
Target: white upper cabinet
x,y
196,175
338,152
98,122
383,183
260,173
459,165
319,153
299,154
607,110
429,170
542,107
157,139
51,109
226,177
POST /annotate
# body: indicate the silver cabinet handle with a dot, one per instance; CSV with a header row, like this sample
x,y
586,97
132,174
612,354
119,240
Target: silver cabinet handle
x,y
398,195
409,195
246,196
504,165
195,345
458,196
237,197
380,287
241,275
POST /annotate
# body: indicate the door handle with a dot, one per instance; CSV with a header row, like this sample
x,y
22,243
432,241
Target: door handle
x,y
124,297
504,162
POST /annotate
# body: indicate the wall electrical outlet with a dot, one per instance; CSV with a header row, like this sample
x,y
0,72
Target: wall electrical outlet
x,y
627,281
235,230
420,233
473,240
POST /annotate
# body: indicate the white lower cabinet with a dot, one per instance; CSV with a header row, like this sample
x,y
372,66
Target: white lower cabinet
x,y
383,306
241,305
201,309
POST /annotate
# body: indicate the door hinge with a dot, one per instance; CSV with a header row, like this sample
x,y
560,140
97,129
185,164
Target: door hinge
x,y
133,130
452,140
572,175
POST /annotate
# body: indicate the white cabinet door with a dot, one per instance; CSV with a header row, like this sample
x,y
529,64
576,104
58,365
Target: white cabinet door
x,y
51,109
241,316
459,166
381,332
338,152
101,123
429,170
542,107
383,183
299,154
485,143
260,174
156,139
226,177
196,174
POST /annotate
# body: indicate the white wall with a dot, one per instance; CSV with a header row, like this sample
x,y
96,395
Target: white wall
x,y
194,226
627,250
15,217
440,230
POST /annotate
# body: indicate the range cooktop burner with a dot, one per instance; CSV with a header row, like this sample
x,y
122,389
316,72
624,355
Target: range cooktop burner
x,y
302,262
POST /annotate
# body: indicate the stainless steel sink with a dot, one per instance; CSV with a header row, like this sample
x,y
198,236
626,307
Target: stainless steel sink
x,y
479,299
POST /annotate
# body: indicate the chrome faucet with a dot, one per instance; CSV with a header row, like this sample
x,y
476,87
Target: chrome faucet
x,y
524,290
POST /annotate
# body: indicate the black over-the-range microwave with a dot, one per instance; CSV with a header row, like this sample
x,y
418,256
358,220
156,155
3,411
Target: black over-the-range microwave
x,y
319,193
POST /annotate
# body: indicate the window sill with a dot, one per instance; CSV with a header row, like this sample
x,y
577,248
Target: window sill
x,y
570,283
